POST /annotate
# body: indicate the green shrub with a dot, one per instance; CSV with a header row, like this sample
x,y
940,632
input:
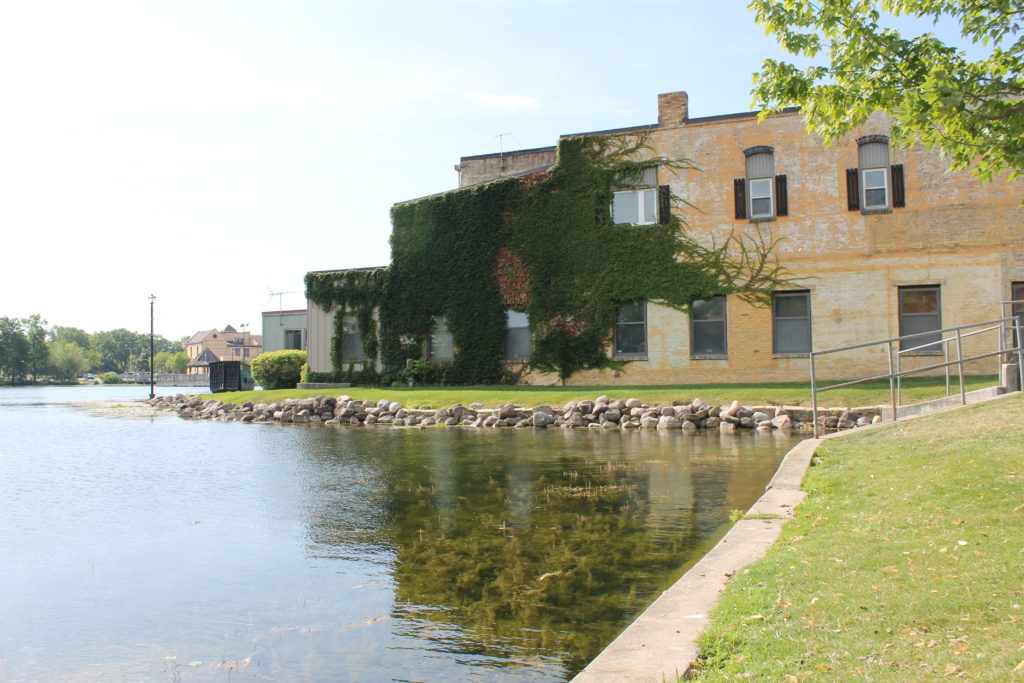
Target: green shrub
x,y
278,369
110,378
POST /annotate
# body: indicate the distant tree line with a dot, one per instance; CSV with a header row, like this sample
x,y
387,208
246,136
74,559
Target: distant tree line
x,y
32,352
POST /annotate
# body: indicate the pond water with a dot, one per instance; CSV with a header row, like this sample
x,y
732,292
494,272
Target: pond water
x,y
136,546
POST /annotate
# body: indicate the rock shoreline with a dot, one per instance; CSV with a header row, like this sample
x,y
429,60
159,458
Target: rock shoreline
x,y
601,413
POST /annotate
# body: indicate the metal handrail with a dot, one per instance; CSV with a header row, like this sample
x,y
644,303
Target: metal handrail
x,y
896,373
945,352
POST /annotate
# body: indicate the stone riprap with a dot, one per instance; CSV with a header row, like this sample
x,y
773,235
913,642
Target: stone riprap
x,y
601,413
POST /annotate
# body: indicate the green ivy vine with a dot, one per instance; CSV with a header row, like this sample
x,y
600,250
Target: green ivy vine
x,y
544,244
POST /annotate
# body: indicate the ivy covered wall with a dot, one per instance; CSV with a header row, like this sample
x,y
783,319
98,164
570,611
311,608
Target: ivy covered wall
x,y
544,244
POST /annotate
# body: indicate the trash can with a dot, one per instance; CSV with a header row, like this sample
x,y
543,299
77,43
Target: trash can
x,y
230,375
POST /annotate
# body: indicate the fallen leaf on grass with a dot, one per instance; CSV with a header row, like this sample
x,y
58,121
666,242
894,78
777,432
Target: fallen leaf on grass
x,y
952,669
753,617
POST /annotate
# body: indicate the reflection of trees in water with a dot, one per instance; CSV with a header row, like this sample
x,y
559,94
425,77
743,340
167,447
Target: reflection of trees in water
x,y
519,546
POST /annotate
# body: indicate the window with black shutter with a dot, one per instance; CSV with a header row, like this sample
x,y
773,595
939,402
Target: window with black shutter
x,y
875,186
852,189
739,189
637,201
781,196
899,198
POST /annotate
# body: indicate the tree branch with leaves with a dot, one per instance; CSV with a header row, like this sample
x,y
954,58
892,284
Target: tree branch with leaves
x,y
971,111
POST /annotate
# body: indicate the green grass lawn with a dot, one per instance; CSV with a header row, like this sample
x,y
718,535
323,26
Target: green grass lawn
x,y
905,562
764,393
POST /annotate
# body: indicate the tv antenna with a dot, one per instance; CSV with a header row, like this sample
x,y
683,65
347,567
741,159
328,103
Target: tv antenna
x,y
279,295
501,148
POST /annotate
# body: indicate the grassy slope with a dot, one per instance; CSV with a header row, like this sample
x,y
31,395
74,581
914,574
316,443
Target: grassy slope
x,y
906,561
781,393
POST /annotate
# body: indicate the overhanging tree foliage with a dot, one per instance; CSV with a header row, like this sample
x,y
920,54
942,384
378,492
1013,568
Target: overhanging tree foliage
x,y
972,111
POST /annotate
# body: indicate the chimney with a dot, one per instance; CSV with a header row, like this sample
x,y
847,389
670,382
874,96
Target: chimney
x,y
672,108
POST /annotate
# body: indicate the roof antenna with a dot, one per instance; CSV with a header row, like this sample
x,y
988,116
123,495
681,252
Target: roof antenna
x,y
501,149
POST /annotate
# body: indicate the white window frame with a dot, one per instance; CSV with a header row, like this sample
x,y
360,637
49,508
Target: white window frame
x,y
865,188
770,196
647,201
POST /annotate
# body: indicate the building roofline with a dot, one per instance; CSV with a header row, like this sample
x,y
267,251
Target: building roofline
x,y
511,153
627,129
297,310
345,270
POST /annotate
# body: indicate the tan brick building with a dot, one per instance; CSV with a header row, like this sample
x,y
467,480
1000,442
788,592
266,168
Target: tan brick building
x,y
942,244
886,241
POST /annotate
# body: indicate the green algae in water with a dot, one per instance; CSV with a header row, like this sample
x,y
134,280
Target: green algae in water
x,y
547,544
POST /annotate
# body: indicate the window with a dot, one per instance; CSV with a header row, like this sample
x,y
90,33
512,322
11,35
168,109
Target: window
x,y
351,343
707,328
439,343
920,312
293,339
791,323
638,205
517,336
868,186
631,330
760,195
761,198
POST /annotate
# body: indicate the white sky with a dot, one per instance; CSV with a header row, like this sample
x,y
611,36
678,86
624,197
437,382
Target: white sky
x,y
210,152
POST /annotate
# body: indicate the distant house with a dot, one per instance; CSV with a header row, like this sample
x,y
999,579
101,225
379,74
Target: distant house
x,y
284,330
227,344
200,365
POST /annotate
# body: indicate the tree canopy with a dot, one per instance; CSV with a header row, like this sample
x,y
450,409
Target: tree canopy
x,y
972,111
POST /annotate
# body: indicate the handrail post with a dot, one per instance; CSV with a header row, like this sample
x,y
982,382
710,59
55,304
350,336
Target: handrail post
x,y
1020,354
945,359
892,386
960,368
899,376
814,397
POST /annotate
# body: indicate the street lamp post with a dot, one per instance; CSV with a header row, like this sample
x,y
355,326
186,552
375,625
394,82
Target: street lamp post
x,y
152,383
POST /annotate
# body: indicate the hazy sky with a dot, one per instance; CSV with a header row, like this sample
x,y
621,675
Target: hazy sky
x,y
211,152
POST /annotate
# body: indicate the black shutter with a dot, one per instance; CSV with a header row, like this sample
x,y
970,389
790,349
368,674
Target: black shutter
x,y
852,189
899,197
781,196
664,204
739,187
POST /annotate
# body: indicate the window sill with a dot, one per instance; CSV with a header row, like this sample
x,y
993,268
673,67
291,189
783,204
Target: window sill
x,y
763,219
873,212
791,355
636,357
709,356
